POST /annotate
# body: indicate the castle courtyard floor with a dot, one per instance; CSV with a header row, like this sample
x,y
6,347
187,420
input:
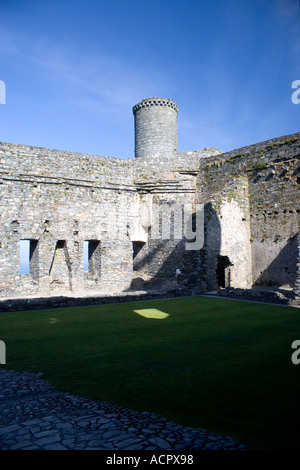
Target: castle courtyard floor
x,y
36,416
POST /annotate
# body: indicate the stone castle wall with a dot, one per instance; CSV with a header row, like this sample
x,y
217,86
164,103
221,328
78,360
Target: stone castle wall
x,y
260,183
63,201
58,200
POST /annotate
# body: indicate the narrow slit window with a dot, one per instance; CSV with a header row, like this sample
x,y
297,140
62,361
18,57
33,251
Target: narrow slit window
x,y
139,256
29,257
136,248
92,257
86,255
24,256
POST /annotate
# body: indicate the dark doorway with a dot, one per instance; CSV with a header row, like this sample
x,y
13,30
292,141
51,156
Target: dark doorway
x,y
223,271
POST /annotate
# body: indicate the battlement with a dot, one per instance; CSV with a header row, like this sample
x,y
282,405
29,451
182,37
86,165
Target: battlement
x,y
155,101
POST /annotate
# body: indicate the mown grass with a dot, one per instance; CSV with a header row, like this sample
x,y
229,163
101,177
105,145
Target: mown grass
x,y
219,364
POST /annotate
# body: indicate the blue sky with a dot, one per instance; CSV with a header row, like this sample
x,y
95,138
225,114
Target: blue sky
x,y
74,69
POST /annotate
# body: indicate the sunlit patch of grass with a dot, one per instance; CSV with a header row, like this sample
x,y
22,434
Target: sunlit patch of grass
x,y
152,313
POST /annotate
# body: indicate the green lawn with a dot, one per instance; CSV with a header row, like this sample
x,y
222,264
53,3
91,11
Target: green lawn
x,y
204,362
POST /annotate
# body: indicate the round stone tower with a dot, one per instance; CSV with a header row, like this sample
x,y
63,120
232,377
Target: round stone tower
x,y
155,123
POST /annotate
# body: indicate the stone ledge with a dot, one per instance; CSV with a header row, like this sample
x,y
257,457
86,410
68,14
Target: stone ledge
x,y
41,303
268,296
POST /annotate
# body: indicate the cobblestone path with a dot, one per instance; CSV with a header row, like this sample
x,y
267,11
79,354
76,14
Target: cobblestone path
x,y
34,415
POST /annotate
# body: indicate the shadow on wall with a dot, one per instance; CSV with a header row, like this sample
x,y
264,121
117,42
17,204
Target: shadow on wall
x,y
167,264
215,270
283,270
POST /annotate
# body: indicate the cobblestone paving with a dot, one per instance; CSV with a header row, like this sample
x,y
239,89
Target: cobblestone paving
x,y
34,415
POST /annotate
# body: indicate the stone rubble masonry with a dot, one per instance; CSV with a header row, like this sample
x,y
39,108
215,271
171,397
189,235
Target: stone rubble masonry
x,y
58,200
262,180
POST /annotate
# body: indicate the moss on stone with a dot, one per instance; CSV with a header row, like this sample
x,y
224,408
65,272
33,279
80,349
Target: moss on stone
x,y
260,164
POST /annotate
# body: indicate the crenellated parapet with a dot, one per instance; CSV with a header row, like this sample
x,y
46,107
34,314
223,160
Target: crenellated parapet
x,y
155,101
